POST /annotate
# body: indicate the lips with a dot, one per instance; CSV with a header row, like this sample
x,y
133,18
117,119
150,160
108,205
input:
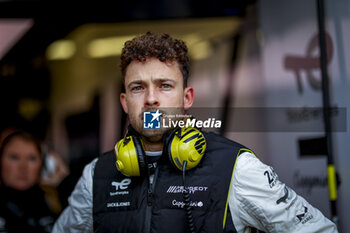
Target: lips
x,y
22,177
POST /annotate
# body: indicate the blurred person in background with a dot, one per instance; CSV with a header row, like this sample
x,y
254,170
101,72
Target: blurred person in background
x,y
54,172
23,204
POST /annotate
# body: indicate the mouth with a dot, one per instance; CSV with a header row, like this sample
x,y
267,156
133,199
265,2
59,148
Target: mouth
x,y
22,178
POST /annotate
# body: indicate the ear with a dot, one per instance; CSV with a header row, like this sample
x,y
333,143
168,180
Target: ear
x,y
188,98
123,101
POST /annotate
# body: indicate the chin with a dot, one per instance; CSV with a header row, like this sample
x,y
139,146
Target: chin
x,y
153,135
22,187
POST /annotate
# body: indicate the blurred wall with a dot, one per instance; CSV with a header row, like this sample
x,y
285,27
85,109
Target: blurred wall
x,y
290,47
11,30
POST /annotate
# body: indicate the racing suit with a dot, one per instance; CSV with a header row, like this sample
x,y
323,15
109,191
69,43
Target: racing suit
x,y
257,199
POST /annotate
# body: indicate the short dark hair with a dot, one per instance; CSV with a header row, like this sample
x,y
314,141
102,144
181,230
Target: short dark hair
x,y
156,45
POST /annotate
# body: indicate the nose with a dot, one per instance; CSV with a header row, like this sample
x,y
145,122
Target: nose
x,y
23,166
151,98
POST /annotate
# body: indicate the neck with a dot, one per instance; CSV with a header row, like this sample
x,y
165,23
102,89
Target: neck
x,y
153,146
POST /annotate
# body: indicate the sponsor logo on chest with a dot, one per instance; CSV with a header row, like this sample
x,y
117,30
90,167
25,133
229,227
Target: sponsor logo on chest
x,y
120,187
191,189
198,195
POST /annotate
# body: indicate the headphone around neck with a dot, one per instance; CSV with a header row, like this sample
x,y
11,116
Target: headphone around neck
x,y
181,144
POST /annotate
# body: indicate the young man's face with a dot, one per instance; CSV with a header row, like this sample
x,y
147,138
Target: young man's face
x,y
157,85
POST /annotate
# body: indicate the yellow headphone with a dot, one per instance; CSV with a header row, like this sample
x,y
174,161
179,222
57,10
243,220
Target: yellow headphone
x,y
180,144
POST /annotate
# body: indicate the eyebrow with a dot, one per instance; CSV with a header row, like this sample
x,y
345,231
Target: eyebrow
x,y
138,81
161,80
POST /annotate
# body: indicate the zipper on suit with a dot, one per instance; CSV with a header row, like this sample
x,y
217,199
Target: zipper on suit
x,y
150,191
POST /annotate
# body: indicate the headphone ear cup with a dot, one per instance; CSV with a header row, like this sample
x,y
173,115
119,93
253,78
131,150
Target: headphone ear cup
x,y
141,155
130,159
186,144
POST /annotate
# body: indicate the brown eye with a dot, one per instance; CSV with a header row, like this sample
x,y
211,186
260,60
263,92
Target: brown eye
x,y
33,158
13,157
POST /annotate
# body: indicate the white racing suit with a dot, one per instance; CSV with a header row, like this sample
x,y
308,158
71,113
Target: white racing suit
x,y
256,199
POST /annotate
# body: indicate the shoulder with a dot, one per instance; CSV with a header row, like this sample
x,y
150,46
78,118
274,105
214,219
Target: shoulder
x,y
105,166
250,171
88,172
107,155
248,160
252,177
218,140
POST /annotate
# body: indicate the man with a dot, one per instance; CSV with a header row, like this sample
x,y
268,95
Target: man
x,y
228,190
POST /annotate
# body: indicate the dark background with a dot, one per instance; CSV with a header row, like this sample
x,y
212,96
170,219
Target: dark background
x,y
23,70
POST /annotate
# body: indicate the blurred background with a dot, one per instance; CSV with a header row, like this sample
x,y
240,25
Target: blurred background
x,y
60,79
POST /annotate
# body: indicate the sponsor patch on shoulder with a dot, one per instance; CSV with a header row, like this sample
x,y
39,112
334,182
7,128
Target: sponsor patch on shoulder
x,y
271,176
304,216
